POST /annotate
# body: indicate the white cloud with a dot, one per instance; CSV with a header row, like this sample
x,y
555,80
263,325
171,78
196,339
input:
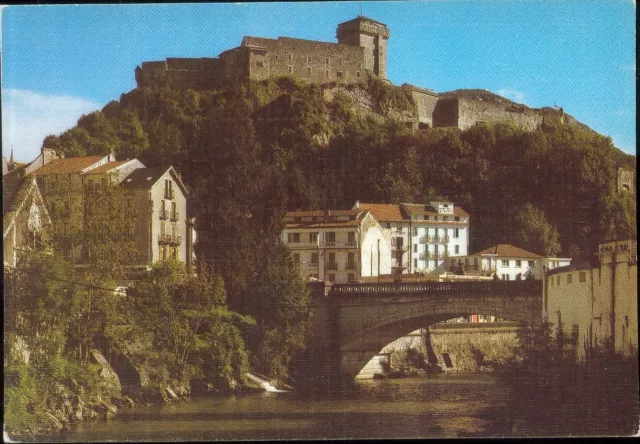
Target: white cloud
x,y
28,117
511,94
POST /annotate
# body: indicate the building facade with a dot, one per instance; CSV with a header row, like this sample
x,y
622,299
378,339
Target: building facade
x,y
26,224
595,305
421,237
505,262
163,231
337,245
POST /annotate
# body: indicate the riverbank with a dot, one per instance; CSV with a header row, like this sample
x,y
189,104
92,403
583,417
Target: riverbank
x,y
439,406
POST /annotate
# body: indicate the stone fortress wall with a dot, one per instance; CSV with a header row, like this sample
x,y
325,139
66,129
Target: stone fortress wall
x,y
361,52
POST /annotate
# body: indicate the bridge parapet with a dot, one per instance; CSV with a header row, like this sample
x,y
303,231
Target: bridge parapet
x,y
515,288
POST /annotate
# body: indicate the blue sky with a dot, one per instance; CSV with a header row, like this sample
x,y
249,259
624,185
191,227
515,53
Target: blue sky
x,y
60,61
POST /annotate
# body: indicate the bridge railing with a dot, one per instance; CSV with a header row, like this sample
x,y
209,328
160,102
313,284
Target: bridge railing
x,y
494,287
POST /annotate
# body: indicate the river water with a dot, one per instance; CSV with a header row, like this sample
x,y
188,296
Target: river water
x,y
446,405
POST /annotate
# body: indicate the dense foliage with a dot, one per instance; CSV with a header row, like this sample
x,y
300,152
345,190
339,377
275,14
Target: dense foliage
x,y
252,150
554,395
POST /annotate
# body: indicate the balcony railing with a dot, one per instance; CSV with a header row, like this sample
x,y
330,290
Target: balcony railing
x,y
175,215
445,239
164,214
327,244
169,193
169,239
424,239
332,266
426,255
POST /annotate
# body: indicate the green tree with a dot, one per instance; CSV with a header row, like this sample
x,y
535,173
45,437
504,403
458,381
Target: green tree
x,y
533,232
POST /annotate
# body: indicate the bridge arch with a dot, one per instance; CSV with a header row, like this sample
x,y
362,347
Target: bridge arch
x,y
363,318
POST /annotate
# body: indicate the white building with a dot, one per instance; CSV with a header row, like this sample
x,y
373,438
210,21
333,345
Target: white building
x,y
507,262
421,236
337,245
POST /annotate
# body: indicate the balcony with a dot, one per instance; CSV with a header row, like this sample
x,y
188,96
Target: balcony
x,y
445,239
175,215
350,244
332,266
164,214
425,239
169,193
426,255
169,239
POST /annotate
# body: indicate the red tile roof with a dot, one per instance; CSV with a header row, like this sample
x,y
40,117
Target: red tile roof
x,y
506,250
70,165
384,212
106,167
320,213
322,220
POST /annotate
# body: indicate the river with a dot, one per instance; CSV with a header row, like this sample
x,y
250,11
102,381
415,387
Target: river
x,y
446,405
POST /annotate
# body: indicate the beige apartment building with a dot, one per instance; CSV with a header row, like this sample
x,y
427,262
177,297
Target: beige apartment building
x,y
337,245
163,231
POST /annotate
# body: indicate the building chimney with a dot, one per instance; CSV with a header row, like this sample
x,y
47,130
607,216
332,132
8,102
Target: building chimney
x,y
357,205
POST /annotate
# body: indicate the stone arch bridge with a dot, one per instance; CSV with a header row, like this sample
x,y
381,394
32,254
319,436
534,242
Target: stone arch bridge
x,y
351,323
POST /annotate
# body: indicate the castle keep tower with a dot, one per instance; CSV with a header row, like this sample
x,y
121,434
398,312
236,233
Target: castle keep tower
x,y
372,36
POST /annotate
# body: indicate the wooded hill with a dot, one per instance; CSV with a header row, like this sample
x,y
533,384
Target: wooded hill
x,y
253,150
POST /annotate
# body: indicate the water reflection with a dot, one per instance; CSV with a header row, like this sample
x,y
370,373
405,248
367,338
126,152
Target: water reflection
x,y
440,406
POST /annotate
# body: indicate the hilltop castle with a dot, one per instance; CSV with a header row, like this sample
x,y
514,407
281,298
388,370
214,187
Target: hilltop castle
x,y
361,52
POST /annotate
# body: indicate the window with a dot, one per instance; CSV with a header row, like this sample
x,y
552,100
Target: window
x,y
457,218
456,233
359,65
332,277
415,248
326,61
293,237
290,69
532,263
174,254
357,73
415,231
332,258
339,74
393,241
351,237
296,258
351,277
162,228
351,261
314,258
308,71
162,254
505,277
415,263
518,263
260,64
331,236
457,249
519,277
551,282
327,73
582,276
308,59
558,280
569,279
313,238
505,262
291,57
388,225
